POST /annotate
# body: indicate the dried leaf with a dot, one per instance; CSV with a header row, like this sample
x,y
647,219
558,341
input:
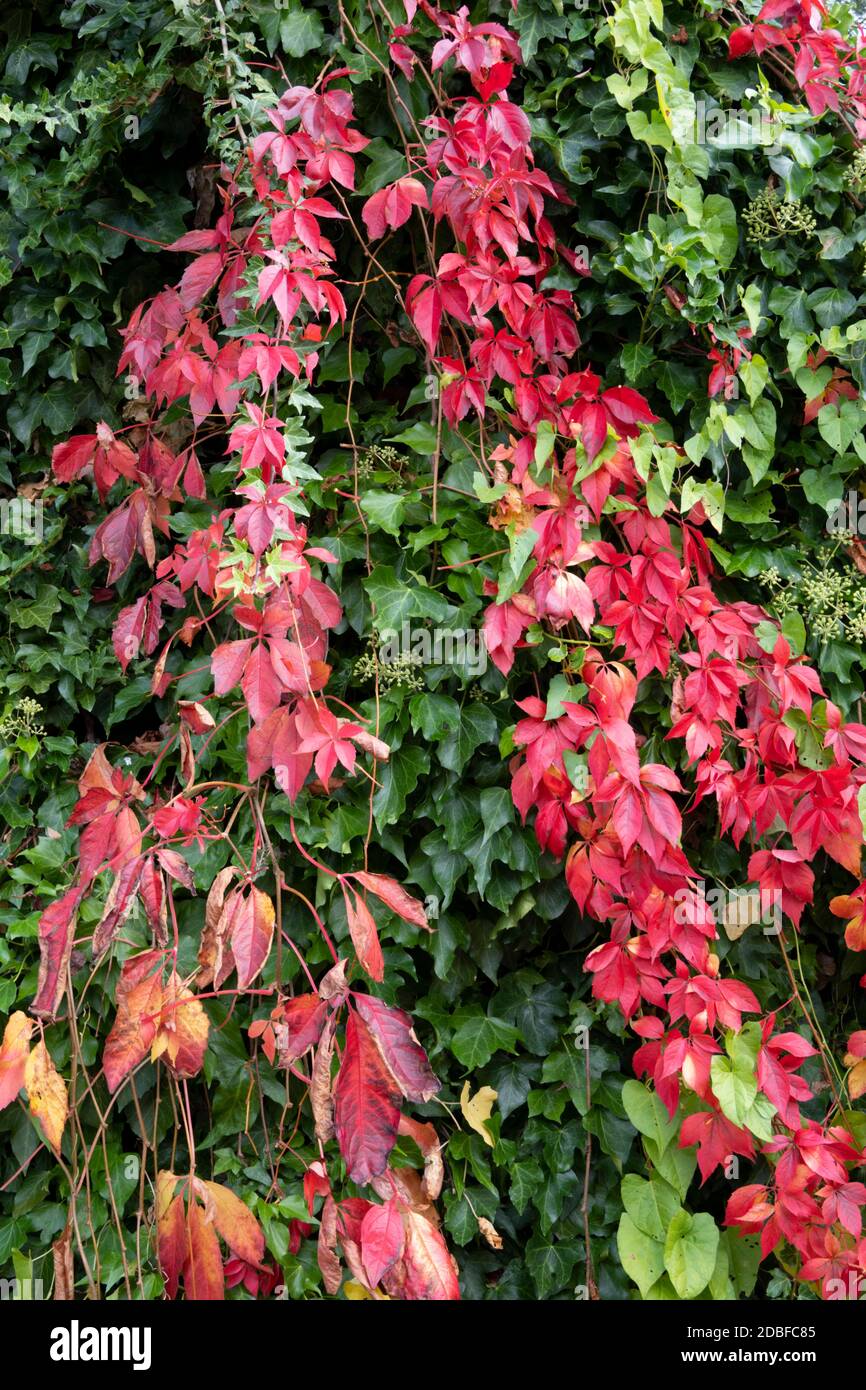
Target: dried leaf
x,y
321,1098
329,1260
214,956
427,1139
490,1233
64,1275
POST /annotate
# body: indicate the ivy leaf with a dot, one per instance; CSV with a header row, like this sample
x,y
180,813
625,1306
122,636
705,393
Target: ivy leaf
x,y
479,1036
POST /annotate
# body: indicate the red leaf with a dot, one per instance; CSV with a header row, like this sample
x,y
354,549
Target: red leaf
x,y
251,935
401,1051
199,277
392,206
301,1026
429,1272
227,663
260,684
382,1237
393,895
171,1231
56,935
366,1105
425,309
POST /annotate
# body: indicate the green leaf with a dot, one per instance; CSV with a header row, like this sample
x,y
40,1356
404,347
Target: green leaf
x,y
642,1258
690,1252
479,1036
652,1205
647,1113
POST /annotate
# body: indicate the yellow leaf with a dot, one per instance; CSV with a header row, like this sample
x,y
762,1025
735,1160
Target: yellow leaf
x,y
476,1109
857,1079
355,1292
46,1091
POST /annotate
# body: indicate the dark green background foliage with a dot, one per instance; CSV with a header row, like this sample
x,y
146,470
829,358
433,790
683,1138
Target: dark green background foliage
x,y
498,991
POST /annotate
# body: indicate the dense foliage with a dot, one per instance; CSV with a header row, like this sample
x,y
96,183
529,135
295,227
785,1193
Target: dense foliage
x,y
552,327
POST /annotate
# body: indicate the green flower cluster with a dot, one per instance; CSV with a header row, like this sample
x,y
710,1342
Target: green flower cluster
x,y
20,722
376,457
402,671
856,175
832,602
767,217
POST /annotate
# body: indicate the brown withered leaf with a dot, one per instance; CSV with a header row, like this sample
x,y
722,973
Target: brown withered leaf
x,y
425,1136
214,964
329,1260
64,1275
332,985
321,1097
490,1233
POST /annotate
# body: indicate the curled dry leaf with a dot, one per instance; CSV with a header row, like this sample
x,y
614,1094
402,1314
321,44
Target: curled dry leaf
x,y
425,1136
321,1099
214,955
333,985
64,1276
46,1094
329,1260
490,1233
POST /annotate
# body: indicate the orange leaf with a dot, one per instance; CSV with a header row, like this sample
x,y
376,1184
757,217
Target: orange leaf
x,y
13,1056
365,937
183,1029
203,1271
139,1001
46,1092
235,1222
